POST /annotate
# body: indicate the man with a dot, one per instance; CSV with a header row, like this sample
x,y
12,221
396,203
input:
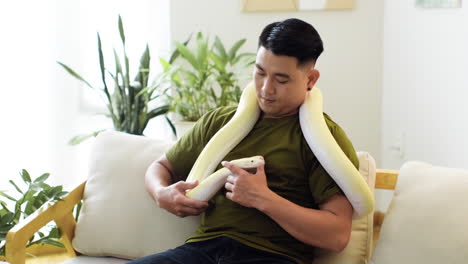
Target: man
x,y
290,205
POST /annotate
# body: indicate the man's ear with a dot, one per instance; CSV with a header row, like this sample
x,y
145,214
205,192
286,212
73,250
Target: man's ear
x,y
313,76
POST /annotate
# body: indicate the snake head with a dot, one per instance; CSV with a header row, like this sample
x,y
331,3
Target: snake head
x,y
249,163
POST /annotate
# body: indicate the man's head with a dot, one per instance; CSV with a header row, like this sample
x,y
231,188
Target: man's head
x,y
284,72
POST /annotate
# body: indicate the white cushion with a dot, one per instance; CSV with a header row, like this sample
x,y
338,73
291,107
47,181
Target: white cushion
x,y
359,248
427,220
95,260
118,217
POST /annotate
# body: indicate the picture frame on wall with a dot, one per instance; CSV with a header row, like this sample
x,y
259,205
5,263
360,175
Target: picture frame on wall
x,y
294,5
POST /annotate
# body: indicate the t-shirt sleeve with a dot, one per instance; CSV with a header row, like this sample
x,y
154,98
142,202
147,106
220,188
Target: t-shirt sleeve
x,y
321,184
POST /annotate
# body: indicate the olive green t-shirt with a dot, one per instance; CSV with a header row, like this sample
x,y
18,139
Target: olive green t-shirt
x,y
291,168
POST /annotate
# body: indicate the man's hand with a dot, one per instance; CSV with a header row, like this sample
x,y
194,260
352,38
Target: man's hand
x,y
172,198
245,188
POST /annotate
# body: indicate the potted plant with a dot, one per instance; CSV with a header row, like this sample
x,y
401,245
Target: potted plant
x,y
205,77
128,103
16,207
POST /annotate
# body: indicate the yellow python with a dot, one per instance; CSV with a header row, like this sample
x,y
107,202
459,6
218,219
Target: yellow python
x,y
316,133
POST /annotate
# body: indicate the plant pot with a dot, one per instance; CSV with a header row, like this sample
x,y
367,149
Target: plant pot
x,y
182,127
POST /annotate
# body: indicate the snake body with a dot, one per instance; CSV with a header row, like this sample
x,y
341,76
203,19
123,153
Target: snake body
x,y
210,186
316,133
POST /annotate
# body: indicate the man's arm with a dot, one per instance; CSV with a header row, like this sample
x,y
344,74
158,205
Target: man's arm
x,y
329,227
159,182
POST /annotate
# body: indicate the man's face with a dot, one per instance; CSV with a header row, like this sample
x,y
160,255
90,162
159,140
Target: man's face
x,y
281,83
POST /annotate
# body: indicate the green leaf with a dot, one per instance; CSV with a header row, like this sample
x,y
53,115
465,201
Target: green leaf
x,y
250,57
42,178
53,242
165,64
4,207
143,72
188,55
121,30
218,45
78,210
25,175
44,186
235,48
54,232
7,218
219,64
54,191
202,49
158,111
171,125
74,74
16,186
118,66
176,53
80,138
102,67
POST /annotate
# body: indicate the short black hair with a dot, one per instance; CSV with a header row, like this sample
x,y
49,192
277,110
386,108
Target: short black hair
x,y
292,37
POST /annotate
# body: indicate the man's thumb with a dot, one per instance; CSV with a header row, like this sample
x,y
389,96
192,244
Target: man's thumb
x,y
188,185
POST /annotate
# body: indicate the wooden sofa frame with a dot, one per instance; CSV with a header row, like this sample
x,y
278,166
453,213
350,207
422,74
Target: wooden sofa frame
x,y
61,213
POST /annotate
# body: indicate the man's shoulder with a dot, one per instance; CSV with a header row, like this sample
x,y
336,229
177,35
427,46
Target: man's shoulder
x,y
342,139
220,114
332,125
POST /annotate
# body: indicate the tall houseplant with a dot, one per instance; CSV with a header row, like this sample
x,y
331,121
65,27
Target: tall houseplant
x,y
205,76
128,104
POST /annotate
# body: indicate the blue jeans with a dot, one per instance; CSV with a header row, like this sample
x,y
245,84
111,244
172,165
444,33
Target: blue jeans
x,y
221,250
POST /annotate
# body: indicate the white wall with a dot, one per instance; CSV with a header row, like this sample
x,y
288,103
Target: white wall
x,y
26,97
425,81
350,66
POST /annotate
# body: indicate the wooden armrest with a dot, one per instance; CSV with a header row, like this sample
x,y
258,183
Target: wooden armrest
x,y
61,212
386,179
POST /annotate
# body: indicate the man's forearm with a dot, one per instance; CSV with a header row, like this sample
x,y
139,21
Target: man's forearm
x,y
157,176
319,228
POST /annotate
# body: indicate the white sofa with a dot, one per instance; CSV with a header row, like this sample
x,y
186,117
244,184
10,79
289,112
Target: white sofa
x,y
119,221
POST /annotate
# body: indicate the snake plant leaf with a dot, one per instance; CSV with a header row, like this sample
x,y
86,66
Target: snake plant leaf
x,y
74,74
171,125
235,48
102,67
121,30
188,55
158,111
176,52
25,175
143,72
16,186
118,65
218,45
